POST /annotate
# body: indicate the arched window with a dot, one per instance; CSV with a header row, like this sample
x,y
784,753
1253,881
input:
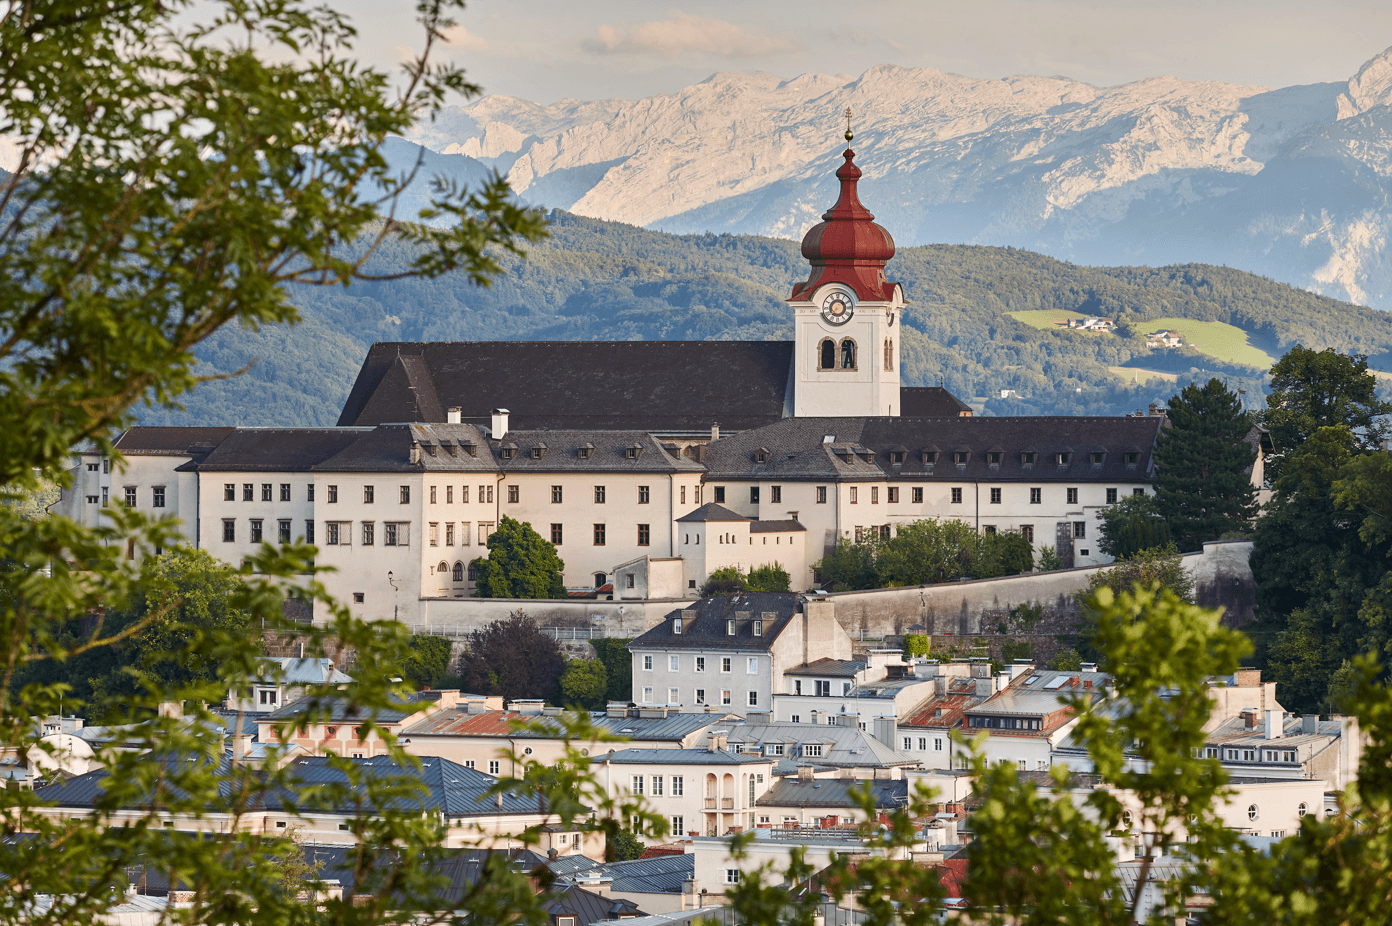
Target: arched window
x,y
848,358
459,572
473,573
889,355
828,355
442,568
599,579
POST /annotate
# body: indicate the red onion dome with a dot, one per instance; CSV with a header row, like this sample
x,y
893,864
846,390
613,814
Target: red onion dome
x,y
847,246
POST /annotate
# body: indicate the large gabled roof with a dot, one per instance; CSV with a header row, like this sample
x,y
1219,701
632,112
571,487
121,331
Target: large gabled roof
x,y
653,385
705,623
170,441
275,450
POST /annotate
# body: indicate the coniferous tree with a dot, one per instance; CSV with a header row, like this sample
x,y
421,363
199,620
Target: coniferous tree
x,y
1203,487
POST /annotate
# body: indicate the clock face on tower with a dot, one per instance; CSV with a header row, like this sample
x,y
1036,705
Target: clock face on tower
x,y
838,306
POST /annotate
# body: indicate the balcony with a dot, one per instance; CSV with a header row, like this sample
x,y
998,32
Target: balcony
x,y
727,803
710,803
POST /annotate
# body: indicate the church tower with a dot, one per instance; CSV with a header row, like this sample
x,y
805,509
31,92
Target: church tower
x,y
846,315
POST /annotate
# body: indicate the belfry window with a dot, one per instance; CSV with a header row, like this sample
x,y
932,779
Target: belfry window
x,y
828,359
889,355
848,354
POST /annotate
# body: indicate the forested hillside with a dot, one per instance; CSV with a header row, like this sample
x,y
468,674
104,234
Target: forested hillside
x,y
598,280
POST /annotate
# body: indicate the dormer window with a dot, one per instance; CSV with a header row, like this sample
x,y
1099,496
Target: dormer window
x,y
929,457
828,438
1097,457
538,451
1132,457
470,448
508,453
960,457
758,628
586,451
632,451
1063,459
729,628
676,626
896,457
1028,457
761,455
429,447
993,457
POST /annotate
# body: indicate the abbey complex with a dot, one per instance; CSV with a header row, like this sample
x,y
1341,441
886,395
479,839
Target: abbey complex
x,y
647,464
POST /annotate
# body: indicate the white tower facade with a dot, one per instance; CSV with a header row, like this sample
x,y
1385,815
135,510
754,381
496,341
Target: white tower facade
x,y
847,314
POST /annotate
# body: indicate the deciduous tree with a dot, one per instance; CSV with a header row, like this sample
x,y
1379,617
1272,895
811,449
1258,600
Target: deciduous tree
x,y
585,683
520,564
512,658
1131,525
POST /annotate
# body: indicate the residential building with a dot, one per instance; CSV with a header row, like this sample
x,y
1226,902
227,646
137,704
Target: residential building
x,y
709,791
862,691
338,726
821,750
827,803
285,680
725,652
1029,715
656,883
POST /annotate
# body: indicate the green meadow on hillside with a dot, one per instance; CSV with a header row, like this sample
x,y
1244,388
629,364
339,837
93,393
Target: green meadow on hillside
x,y
1219,340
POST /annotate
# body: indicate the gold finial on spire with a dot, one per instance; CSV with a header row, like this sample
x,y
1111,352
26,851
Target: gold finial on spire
x,y
849,133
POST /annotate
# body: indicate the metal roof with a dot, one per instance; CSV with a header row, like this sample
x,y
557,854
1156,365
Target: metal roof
x,y
659,874
705,623
673,728
842,747
833,792
829,668
682,757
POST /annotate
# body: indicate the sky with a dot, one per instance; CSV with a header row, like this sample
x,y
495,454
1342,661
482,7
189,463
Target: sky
x,y
546,50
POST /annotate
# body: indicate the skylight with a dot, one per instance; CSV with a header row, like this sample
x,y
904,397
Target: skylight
x,y
1056,683
829,439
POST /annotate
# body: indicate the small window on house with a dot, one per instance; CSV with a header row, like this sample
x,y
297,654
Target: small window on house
x,y
1036,496
514,494
1080,530
848,354
248,492
1027,532
631,453
1072,496
157,497
928,457
753,495
285,491
283,530
265,491
854,495
599,495
720,495
130,497
369,493
1063,459
599,536
776,494
758,628
1097,458
644,538
229,492
643,495
677,628
1111,496
457,574
729,630
960,457
993,457
507,453
896,457
556,495
333,494
918,496
821,495
556,534
990,529
957,496
585,451
1132,457
357,597
369,530
1027,457
874,495
256,530
995,496
827,354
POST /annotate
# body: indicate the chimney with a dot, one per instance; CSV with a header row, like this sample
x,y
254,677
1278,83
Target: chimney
x,y
718,742
1309,724
887,730
454,415
715,431
1247,678
499,428
804,773
415,452
985,687
241,745
1275,721
174,709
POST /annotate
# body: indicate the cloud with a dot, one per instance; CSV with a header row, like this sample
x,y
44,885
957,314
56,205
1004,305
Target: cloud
x,y
459,37
683,34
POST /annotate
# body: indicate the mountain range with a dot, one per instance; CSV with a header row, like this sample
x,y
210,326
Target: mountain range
x,y
1290,183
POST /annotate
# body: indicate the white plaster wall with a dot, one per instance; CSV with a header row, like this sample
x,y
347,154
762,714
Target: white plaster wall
x,y
389,578
867,390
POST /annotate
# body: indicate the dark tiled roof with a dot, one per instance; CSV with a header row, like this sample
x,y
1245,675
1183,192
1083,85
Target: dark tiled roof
x,y
588,907
608,453
173,441
859,449
658,874
930,402
456,722
450,789
710,511
86,790
775,527
275,450
344,710
708,629
387,449
654,385
832,792
829,668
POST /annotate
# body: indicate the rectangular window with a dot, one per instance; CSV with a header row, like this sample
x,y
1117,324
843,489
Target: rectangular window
x,y
957,496
283,530
405,495
514,494
396,534
368,528
331,533
333,494
732,876
432,495
449,495
657,781
776,494
1027,532
812,750
449,533
822,688
855,495
995,496
643,535
1111,496
918,496
647,695
990,529
1139,493
700,663
683,495
256,530
642,495
229,492
753,699
720,495
753,665
265,491
229,530
893,495
1036,496
1072,496
599,535
130,497
725,696
726,662
638,782
673,696
309,530
369,492
248,492
494,766
874,495
758,628
309,490
556,495
647,663
599,495
753,495
556,534
700,696
678,827
673,663
1080,530
485,528
463,495
821,495
434,533
285,491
